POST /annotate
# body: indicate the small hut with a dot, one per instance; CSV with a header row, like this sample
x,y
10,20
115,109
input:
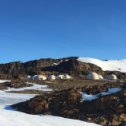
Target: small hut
x,y
101,77
51,77
39,77
66,76
60,77
111,77
35,77
42,77
93,76
28,77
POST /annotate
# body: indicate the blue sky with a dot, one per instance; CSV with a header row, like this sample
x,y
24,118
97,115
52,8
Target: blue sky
x,y
32,29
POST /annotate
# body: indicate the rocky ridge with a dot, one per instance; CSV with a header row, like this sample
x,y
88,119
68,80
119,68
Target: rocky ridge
x,y
70,65
18,70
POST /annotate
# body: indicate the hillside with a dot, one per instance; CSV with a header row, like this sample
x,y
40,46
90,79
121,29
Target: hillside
x,y
72,65
69,65
106,65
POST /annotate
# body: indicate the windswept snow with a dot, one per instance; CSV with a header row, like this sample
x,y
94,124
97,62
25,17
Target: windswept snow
x,y
10,117
108,65
3,81
14,118
12,98
55,64
110,91
89,97
33,87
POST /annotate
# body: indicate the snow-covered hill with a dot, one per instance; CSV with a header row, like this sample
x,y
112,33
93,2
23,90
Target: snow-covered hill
x,y
109,65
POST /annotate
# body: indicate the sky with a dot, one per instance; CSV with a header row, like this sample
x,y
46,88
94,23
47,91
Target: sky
x,y
33,29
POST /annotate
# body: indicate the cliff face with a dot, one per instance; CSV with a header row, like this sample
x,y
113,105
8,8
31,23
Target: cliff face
x,y
73,66
12,70
47,66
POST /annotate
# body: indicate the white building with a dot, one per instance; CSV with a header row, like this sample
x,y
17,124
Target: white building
x,y
66,76
94,76
39,77
111,77
28,77
52,77
101,77
60,77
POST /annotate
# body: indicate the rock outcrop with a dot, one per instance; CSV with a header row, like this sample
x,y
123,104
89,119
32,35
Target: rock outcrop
x,y
19,70
12,70
73,66
70,65
106,110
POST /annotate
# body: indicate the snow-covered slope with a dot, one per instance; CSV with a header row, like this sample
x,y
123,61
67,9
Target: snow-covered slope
x,y
33,87
10,117
3,81
14,118
110,65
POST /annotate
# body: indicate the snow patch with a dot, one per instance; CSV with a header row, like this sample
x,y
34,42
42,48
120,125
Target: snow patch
x,y
88,97
33,87
3,81
10,117
108,65
55,64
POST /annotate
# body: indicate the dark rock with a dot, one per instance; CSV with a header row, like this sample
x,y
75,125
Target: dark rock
x,y
70,65
106,110
73,66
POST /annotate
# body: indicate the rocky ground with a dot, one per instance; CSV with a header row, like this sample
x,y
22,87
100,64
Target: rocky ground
x,y
14,84
109,110
65,98
56,85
